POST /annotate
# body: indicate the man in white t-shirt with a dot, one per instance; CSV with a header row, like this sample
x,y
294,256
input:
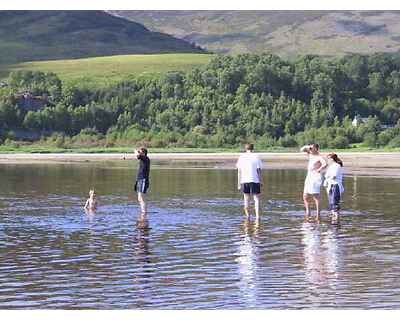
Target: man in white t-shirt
x,y
249,178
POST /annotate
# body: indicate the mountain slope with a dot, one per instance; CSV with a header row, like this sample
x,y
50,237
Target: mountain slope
x,y
50,35
287,33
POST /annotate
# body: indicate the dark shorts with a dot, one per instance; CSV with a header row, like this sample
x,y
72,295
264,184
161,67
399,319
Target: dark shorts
x,y
251,187
142,185
334,198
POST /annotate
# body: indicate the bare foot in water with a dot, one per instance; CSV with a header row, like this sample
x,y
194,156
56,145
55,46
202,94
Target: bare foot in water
x,y
142,222
335,218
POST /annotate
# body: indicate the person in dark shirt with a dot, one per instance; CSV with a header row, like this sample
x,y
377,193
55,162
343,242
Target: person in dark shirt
x,y
142,179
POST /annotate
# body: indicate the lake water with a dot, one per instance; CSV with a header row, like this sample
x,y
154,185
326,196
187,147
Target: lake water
x,y
200,253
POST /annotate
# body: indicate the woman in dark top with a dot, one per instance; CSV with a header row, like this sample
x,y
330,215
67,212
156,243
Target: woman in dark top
x,y
142,179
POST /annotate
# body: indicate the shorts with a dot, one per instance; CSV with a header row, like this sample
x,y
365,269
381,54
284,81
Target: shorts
x,y
251,187
312,185
334,198
141,185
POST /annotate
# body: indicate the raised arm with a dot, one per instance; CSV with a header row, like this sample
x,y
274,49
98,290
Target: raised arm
x,y
305,149
86,204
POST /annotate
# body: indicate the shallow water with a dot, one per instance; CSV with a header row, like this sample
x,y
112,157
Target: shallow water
x,y
200,253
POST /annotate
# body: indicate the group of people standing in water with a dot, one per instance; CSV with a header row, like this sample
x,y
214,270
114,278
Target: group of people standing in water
x,y
249,168
321,171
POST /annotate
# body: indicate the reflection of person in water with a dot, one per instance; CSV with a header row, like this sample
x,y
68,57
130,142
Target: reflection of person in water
x,y
247,262
143,243
143,268
321,256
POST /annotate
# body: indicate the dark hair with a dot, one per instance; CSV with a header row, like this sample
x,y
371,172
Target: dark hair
x,y
144,150
335,158
249,146
316,145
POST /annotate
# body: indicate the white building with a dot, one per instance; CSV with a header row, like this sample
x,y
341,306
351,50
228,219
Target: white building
x,y
358,120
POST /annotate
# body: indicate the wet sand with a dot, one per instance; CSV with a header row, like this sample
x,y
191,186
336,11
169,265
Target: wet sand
x,y
386,164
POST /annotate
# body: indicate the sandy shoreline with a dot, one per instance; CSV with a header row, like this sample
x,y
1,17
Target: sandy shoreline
x,y
362,163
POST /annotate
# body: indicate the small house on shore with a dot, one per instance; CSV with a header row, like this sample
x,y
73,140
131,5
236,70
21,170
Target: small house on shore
x,y
28,102
358,120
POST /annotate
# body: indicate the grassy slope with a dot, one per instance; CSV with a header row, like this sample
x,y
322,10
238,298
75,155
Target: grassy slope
x,y
105,70
52,35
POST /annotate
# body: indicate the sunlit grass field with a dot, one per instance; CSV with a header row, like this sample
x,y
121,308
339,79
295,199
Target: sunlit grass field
x,y
103,71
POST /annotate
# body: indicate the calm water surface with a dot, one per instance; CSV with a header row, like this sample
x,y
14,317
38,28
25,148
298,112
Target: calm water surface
x,y
199,253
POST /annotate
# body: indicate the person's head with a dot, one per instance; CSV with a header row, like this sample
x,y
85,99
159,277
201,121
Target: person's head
x,y
142,150
334,157
92,194
314,148
249,147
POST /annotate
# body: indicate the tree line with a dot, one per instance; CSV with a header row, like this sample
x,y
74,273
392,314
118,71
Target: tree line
x,y
260,98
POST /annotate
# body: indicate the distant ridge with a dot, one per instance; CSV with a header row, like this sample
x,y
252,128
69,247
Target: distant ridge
x,y
52,35
286,33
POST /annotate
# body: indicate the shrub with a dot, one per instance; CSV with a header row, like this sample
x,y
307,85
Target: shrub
x,y
395,142
340,142
384,137
370,140
287,141
11,143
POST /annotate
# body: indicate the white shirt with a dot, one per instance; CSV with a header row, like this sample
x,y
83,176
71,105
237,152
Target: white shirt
x,y
312,161
248,164
334,175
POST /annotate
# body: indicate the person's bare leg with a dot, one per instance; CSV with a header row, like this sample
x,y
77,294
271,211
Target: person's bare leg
x,y
317,205
142,222
142,202
306,206
257,205
246,198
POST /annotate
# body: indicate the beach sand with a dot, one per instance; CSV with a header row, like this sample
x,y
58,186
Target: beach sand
x,y
386,164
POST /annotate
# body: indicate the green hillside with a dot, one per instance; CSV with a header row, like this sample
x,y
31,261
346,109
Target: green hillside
x,y
52,35
286,33
105,70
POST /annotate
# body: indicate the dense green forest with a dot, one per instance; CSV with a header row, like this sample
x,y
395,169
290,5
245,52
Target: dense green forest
x,y
259,98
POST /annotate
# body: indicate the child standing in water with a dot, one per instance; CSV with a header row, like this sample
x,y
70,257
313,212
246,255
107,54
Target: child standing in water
x,y
91,202
334,185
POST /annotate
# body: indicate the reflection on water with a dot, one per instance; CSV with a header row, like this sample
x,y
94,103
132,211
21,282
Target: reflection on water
x,y
193,250
321,256
247,263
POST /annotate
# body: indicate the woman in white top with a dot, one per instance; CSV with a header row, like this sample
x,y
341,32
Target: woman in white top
x,y
334,185
313,182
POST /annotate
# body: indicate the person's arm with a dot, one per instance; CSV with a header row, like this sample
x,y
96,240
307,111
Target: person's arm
x,y
138,155
324,164
238,174
86,204
305,149
259,170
